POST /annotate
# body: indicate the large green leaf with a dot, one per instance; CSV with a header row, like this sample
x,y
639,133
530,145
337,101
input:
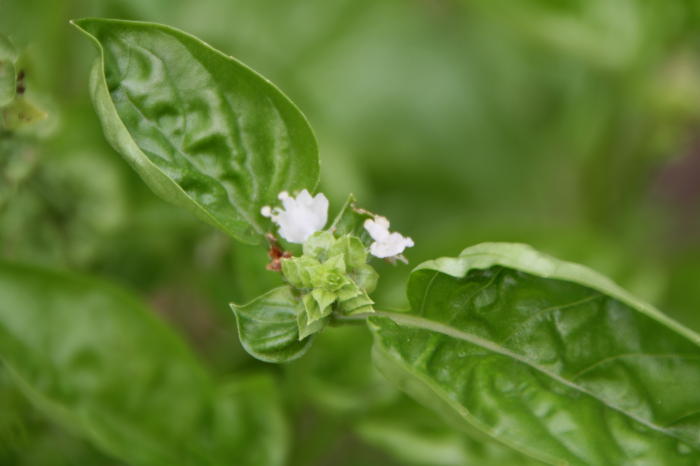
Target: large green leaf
x,y
547,356
203,130
104,367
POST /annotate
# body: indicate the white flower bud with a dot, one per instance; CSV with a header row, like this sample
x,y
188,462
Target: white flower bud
x,y
299,217
386,244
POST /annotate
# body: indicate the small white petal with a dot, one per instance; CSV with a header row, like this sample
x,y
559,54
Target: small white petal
x,y
300,217
304,197
266,211
378,228
385,244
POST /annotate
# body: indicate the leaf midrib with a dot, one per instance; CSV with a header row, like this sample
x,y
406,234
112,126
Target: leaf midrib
x,y
437,327
231,197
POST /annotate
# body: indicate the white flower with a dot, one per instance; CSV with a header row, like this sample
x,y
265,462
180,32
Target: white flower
x,y
300,217
385,244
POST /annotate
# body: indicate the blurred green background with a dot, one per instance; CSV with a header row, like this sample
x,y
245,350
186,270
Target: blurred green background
x,y
571,125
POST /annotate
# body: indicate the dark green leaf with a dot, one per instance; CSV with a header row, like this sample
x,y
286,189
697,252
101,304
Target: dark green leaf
x,y
547,356
267,326
104,367
203,130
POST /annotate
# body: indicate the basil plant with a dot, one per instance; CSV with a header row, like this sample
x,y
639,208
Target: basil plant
x,y
532,359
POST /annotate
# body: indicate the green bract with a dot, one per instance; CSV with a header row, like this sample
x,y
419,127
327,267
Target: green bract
x,y
333,274
332,277
548,357
203,130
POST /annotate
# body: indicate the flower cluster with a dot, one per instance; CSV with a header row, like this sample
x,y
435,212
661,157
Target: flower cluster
x,y
304,215
332,275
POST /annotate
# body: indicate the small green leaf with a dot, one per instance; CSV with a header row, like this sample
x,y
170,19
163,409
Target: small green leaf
x,y
548,357
267,326
203,130
98,363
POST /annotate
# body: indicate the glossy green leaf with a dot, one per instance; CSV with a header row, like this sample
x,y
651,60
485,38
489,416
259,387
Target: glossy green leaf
x,y
203,130
267,326
548,357
98,363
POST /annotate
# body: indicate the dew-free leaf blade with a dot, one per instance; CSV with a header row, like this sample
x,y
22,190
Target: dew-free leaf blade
x,y
267,326
203,130
548,357
99,364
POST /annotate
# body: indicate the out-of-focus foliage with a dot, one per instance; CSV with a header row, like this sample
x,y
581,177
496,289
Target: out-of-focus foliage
x,y
105,368
568,124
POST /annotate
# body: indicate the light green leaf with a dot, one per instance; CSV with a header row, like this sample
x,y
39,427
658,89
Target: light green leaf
x,y
98,363
203,130
267,326
548,357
